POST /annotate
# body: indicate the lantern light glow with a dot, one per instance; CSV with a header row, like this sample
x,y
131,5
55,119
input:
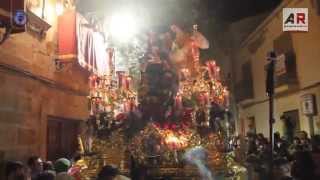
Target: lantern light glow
x,y
123,27
59,8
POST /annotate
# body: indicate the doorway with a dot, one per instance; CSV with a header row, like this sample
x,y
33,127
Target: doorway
x,y
61,137
291,124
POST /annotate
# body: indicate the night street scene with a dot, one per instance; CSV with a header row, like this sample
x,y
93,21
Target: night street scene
x,y
159,89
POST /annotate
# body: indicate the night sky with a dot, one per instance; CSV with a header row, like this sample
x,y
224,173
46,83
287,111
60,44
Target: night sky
x,y
232,10
226,10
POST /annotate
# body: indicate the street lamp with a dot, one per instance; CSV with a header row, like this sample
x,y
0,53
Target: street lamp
x,y
271,57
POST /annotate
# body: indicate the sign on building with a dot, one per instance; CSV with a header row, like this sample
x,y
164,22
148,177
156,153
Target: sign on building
x,y
309,104
295,19
280,67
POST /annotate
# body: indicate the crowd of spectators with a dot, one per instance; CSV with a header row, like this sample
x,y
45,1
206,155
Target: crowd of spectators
x,y
295,160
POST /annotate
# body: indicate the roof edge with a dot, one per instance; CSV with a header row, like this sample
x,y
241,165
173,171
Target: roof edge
x,y
265,22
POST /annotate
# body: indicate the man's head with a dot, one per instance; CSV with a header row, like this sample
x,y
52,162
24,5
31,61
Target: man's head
x,y
62,165
14,170
35,163
108,172
76,157
47,166
296,140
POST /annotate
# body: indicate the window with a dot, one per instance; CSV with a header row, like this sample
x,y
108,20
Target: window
x,y
247,72
244,88
283,46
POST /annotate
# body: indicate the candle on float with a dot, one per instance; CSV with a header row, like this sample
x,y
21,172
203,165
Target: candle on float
x,y
132,104
97,82
92,81
106,98
128,81
120,75
104,80
125,107
129,105
110,60
211,65
178,102
217,73
226,97
206,97
81,145
108,108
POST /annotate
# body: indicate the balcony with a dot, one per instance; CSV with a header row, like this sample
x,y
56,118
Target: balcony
x,y
287,72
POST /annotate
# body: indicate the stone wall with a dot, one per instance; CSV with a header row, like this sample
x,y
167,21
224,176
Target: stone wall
x,y
31,89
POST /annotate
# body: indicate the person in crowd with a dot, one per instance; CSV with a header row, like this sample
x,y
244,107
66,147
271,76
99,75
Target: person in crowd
x,y
300,160
276,137
286,178
295,146
280,148
139,173
260,137
252,147
77,166
316,154
61,167
35,166
262,165
14,170
305,142
303,167
46,176
281,162
258,156
48,167
289,131
108,172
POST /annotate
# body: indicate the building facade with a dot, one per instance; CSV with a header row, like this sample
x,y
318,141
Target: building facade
x,y
297,74
40,102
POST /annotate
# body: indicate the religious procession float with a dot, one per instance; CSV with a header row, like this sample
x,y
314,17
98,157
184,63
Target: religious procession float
x,y
156,108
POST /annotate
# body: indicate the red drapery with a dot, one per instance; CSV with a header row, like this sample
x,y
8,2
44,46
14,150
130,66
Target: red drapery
x,y
67,36
77,40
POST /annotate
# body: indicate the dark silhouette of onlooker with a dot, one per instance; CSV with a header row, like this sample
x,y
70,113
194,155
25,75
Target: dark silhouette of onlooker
x,y
45,176
290,127
35,166
14,170
295,146
252,147
316,154
62,166
75,169
108,172
48,166
303,167
305,142
280,149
